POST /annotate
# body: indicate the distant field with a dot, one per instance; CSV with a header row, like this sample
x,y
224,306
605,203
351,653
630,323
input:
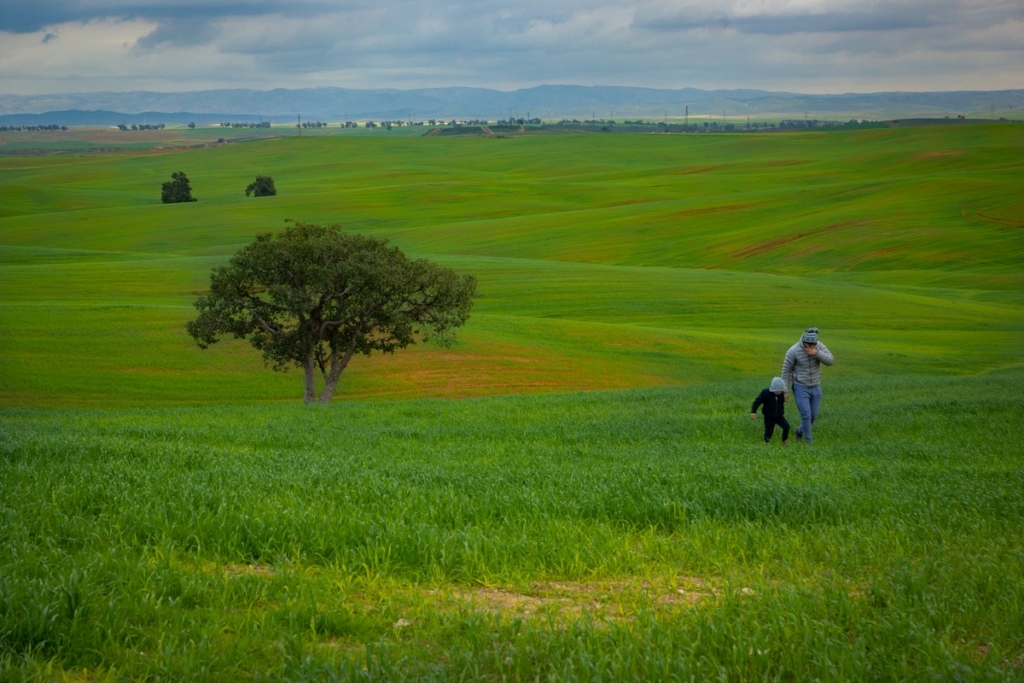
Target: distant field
x,y
79,140
597,504
604,261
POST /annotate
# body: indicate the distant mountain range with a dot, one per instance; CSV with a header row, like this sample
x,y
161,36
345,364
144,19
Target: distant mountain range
x,y
547,101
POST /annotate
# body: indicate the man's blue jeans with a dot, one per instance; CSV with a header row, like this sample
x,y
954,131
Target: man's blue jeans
x,y
808,402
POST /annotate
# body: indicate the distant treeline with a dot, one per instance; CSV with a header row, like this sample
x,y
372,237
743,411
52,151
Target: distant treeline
x,y
715,126
30,129
708,126
141,126
250,124
478,127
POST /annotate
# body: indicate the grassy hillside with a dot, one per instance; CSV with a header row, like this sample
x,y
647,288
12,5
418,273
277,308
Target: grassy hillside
x,y
604,261
634,535
168,513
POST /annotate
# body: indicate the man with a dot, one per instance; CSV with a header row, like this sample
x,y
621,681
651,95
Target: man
x,y
802,370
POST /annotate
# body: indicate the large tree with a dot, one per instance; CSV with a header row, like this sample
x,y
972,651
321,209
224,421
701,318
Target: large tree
x,y
177,189
314,296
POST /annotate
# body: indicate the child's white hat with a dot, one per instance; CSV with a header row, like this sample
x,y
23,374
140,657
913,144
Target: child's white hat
x,y
777,384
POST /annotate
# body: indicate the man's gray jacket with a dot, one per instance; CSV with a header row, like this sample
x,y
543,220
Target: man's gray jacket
x,y
802,369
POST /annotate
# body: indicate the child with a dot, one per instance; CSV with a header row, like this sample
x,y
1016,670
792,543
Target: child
x,y
773,402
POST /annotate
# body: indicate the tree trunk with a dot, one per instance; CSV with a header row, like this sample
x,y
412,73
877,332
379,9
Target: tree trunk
x,y
309,370
337,365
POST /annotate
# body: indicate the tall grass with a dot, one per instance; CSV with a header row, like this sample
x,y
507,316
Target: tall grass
x,y
634,534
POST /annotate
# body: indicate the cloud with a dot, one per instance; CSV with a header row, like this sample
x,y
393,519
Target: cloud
x,y
803,45
180,32
29,16
783,17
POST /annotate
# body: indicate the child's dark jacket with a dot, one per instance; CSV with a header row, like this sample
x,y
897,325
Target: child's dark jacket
x,y
773,406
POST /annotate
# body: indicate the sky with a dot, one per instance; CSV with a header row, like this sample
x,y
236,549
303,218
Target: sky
x,y
805,46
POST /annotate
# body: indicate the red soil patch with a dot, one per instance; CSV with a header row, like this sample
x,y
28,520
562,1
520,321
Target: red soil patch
x,y
690,170
425,372
1010,222
935,154
710,209
769,245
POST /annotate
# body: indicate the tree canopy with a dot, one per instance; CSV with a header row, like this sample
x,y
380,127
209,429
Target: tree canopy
x,y
314,296
263,186
177,189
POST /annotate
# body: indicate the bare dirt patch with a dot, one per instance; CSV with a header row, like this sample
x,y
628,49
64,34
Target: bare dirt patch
x,y
607,599
249,570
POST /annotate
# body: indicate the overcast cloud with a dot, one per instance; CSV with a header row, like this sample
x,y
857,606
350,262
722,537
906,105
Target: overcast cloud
x,y
810,46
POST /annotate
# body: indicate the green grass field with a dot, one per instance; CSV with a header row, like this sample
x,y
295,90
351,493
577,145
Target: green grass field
x,y
574,490
604,261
